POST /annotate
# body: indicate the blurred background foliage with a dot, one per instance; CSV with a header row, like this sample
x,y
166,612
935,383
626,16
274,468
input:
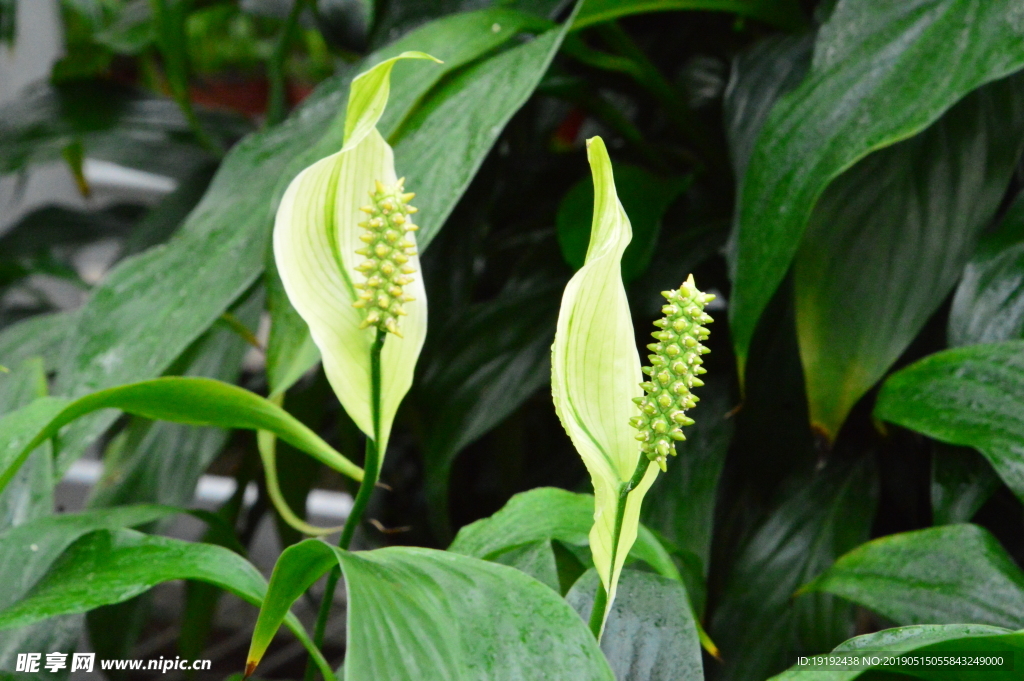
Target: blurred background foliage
x,y
785,470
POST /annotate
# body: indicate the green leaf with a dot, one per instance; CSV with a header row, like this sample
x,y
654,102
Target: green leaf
x,y
113,122
989,303
882,72
137,323
757,623
474,372
291,351
956,574
595,371
971,396
482,98
651,634
962,481
316,238
421,614
863,288
193,401
781,13
28,550
645,197
760,76
934,639
545,514
161,462
111,566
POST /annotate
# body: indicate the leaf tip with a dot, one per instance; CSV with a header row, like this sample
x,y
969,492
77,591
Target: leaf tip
x,y
250,667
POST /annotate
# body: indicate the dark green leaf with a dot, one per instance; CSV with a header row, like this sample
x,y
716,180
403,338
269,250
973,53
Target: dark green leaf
x,y
476,371
113,122
548,513
536,559
989,303
882,72
782,13
956,574
971,396
421,614
461,121
111,566
645,198
192,401
877,259
758,624
936,639
161,462
962,481
760,75
650,633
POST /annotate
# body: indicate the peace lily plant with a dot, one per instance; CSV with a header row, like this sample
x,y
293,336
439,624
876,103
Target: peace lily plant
x,y
345,247
623,427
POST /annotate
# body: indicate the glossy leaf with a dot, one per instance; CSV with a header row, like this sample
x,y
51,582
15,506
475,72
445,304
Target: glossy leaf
x,y
136,324
547,513
962,481
111,566
882,72
971,396
478,369
757,623
956,574
193,401
650,634
783,13
644,197
877,259
934,639
595,371
316,236
989,303
760,75
452,617
161,462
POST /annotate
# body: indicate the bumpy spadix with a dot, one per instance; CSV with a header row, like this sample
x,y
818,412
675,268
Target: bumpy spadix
x,y
675,364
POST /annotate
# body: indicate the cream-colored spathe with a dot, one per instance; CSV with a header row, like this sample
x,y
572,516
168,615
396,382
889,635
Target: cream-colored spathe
x,y
595,373
316,236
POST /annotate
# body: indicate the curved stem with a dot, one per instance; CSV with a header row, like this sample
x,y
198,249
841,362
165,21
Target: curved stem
x,y
601,597
371,468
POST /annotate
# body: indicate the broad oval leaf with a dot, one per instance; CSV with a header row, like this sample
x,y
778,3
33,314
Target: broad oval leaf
x,y
547,513
955,574
882,72
970,396
423,614
595,371
757,622
193,401
922,639
651,634
989,303
110,566
877,259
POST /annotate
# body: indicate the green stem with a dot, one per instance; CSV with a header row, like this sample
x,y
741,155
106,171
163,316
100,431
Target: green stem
x,y
276,106
601,597
371,471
